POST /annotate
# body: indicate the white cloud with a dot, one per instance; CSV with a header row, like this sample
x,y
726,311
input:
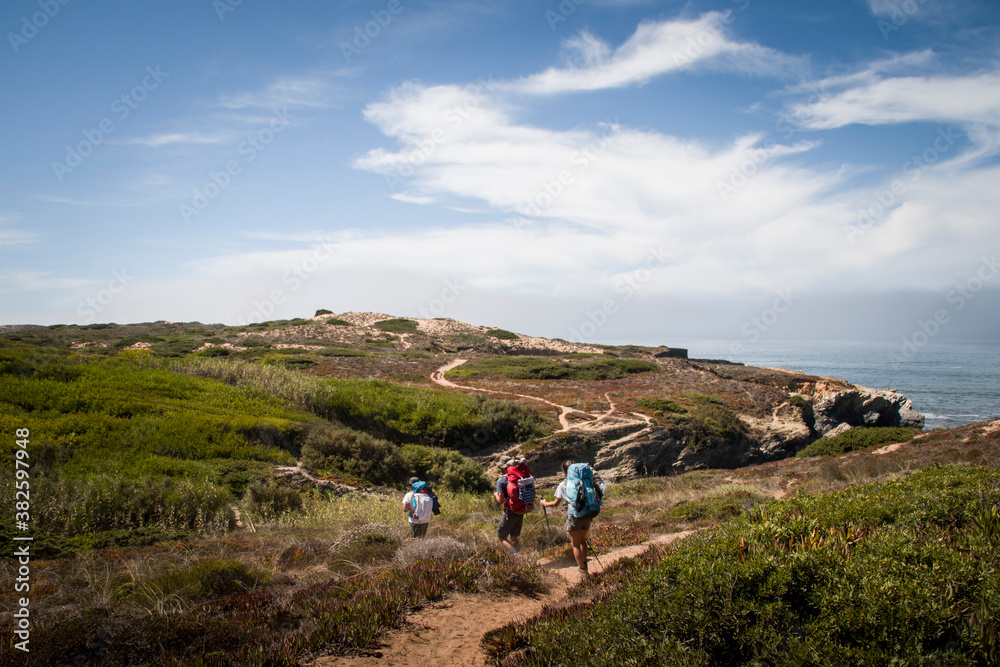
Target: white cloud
x,y
971,99
167,139
11,235
285,92
584,204
655,49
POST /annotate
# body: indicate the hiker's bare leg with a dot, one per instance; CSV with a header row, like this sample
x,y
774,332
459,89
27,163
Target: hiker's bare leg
x,y
576,538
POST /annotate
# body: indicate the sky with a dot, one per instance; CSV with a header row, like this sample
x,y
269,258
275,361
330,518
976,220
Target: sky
x,y
606,171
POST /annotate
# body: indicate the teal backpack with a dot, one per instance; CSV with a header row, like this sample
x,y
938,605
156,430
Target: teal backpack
x,y
582,497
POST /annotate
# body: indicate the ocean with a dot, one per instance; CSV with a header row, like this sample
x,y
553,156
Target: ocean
x,y
951,384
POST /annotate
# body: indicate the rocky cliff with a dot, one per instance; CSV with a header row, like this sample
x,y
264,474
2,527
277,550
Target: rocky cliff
x,y
624,449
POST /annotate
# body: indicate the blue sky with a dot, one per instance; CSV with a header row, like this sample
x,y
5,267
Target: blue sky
x,y
600,170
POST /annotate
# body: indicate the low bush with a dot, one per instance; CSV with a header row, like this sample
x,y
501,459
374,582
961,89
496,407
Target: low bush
x,y
661,405
715,507
392,411
209,578
272,500
106,503
431,548
397,325
505,421
341,352
446,468
858,439
303,554
363,550
544,368
502,334
354,453
902,572
697,397
713,425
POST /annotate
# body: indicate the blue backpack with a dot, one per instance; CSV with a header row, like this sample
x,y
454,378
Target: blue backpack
x,y
423,487
582,497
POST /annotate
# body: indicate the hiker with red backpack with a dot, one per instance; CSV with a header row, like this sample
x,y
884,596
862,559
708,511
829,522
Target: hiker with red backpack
x,y
516,492
418,504
583,504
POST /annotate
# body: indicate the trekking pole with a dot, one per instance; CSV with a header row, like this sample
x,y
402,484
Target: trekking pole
x,y
587,542
547,525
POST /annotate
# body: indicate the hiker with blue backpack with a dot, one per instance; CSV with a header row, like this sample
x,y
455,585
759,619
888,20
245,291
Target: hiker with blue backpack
x,y
516,492
418,504
583,504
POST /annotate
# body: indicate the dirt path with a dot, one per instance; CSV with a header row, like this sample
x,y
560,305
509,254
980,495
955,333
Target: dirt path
x,y
564,410
448,633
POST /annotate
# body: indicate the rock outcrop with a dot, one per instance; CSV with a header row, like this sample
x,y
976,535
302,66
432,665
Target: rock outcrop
x,y
861,406
626,451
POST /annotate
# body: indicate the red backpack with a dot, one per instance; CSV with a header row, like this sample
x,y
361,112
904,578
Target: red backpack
x,y
520,489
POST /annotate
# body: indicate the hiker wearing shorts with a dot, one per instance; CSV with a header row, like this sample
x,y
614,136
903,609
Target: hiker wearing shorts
x,y
418,507
509,530
576,526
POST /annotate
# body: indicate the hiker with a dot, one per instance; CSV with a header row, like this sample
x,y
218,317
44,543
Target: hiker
x,y
516,493
583,503
418,505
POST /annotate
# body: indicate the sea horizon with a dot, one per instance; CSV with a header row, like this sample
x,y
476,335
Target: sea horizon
x,y
951,383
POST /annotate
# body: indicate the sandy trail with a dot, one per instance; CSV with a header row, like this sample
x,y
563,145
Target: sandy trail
x,y
448,633
564,410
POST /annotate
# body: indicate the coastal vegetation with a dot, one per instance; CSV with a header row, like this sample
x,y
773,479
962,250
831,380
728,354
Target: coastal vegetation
x,y
164,532
546,368
899,572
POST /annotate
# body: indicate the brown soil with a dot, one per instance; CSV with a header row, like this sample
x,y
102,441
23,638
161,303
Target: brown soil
x,y
449,633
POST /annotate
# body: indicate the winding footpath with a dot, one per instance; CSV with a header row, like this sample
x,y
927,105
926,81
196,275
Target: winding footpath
x,y
564,410
448,633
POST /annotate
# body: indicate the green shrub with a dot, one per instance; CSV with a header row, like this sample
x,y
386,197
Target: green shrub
x,y
363,550
502,334
237,475
858,439
341,352
895,573
397,325
209,578
661,405
696,397
354,453
393,411
106,503
505,421
176,347
448,469
273,500
323,311
297,363
712,425
545,368
716,507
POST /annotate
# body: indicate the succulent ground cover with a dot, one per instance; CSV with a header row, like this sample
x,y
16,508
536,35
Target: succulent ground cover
x,y
904,571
